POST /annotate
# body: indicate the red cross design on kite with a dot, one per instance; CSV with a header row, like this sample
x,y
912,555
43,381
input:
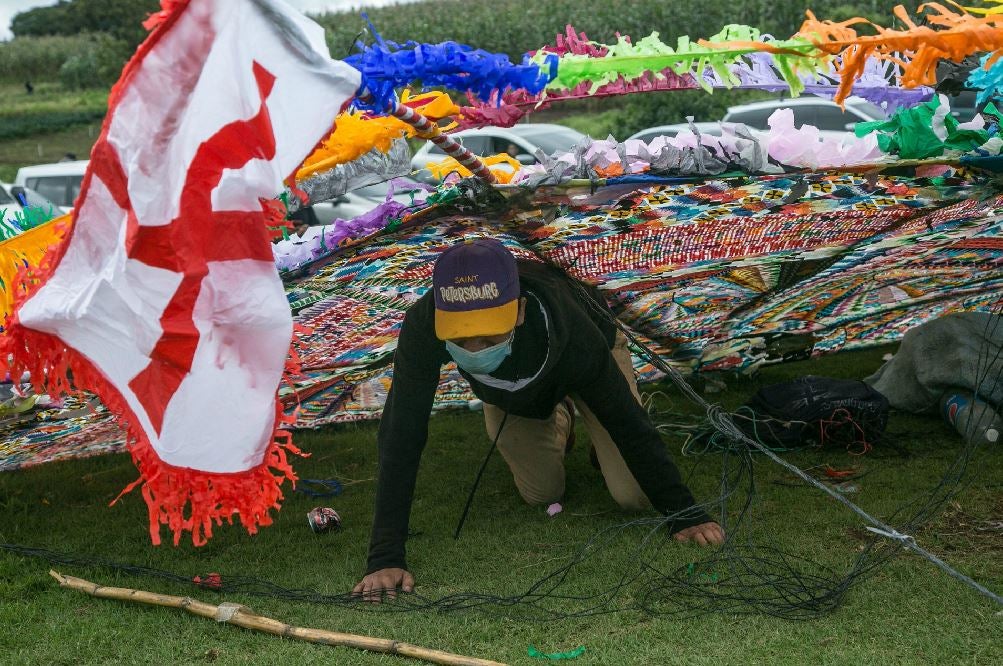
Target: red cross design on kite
x,y
197,236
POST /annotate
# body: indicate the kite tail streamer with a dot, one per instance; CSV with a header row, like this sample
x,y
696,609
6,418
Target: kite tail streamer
x,y
17,254
184,499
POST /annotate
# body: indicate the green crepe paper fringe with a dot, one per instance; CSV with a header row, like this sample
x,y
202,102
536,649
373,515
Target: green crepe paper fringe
x,y
910,135
650,54
22,221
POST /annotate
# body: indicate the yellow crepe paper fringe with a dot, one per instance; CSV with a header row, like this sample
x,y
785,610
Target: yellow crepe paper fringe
x,y
357,133
24,250
948,35
447,166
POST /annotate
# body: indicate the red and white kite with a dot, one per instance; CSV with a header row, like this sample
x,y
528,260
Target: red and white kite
x,y
164,299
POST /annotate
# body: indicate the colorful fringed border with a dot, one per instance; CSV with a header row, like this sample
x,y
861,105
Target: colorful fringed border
x,y
23,250
184,499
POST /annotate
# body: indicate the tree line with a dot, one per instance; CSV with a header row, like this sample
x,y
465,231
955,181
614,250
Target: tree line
x,y
84,43
506,26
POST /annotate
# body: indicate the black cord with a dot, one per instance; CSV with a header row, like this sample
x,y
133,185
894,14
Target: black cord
x,y
480,473
740,577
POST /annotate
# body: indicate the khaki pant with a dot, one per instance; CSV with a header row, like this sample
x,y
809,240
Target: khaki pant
x,y
534,448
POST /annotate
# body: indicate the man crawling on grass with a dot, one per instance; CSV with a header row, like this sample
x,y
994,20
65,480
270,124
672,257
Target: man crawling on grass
x,y
533,351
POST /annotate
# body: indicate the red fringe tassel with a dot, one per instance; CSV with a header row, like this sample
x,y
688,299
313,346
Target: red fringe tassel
x,y
184,499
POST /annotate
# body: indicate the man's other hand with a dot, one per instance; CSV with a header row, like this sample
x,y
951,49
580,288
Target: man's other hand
x,y
386,581
703,534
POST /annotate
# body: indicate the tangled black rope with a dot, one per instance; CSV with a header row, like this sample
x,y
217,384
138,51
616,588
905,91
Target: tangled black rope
x,y
739,577
723,423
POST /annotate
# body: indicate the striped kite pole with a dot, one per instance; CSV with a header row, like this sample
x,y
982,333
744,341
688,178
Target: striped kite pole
x,y
429,130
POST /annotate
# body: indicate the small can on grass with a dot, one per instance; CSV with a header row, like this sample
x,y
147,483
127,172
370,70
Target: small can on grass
x,y
324,519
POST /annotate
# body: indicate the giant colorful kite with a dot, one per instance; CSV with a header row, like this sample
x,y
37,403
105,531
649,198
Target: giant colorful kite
x,y
165,298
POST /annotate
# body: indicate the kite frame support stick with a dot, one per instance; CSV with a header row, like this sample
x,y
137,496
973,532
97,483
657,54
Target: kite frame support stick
x,y
242,617
429,130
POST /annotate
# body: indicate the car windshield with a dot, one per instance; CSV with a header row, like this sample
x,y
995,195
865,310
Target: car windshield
x,y
4,197
377,191
552,140
34,200
872,111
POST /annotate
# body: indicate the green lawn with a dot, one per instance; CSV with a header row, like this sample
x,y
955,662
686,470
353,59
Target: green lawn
x,y
908,612
42,127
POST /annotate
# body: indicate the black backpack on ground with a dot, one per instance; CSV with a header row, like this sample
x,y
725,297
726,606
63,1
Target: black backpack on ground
x,y
815,410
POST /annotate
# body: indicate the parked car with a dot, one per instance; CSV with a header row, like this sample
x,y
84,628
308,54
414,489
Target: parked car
x,y
822,113
16,198
58,182
711,128
520,141
355,203
964,105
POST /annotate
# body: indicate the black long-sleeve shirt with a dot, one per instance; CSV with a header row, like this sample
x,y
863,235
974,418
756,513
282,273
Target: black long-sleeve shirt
x,y
561,348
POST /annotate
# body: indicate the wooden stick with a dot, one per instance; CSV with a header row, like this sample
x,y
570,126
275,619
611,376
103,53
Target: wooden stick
x,y
243,617
429,130
449,145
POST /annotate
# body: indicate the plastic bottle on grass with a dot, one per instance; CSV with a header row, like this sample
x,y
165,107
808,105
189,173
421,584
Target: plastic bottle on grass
x,y
974,419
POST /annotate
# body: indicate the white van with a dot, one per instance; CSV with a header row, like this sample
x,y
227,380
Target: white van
x,y
59,182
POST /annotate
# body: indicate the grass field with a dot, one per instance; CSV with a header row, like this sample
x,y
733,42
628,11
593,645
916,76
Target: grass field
x,y
907,613
42,127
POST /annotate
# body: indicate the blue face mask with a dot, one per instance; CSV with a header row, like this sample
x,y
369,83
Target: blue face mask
x,y
481,362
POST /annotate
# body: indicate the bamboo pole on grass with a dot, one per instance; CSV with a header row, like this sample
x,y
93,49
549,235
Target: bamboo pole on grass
x,y
242,617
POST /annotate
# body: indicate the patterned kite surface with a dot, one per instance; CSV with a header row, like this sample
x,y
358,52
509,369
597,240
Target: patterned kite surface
x,y
164,299
74,427
721,274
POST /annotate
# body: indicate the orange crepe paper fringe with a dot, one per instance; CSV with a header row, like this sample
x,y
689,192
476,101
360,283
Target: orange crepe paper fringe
x,y
950,35
356,133
184,499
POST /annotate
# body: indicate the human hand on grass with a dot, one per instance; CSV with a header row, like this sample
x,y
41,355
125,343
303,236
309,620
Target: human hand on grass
x,y
384,581
703,534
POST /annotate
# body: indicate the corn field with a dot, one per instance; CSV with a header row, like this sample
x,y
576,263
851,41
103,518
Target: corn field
x,y
517,26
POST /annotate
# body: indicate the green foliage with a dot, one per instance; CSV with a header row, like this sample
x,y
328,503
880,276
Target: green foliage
x,y
96,66
42,123
38,58
597,125
50,109
122,19
518,26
